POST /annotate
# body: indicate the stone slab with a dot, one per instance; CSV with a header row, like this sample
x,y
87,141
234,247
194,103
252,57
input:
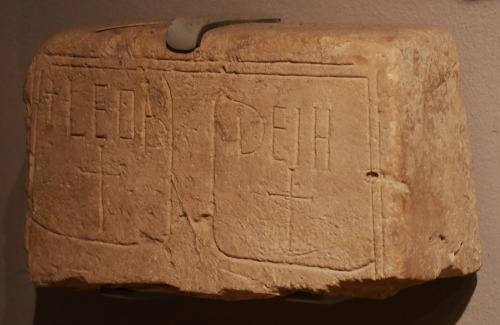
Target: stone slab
x,y
274,158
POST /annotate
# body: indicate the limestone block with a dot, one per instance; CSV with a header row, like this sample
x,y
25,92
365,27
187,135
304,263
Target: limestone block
x,y
274,158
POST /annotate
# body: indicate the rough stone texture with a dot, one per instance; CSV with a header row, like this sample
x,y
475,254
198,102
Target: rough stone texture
x,y
272,159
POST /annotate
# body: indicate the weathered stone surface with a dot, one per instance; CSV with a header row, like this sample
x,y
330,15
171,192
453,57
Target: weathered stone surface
x,y
272,159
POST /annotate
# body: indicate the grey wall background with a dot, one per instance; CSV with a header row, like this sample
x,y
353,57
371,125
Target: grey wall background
x,y
24,25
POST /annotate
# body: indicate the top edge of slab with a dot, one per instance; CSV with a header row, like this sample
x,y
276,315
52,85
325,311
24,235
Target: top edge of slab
x,y
149,40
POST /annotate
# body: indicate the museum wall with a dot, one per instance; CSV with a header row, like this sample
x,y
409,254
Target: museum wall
x,y
24,25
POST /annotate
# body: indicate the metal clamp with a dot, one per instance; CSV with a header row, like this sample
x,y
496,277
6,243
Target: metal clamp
x,y
185,34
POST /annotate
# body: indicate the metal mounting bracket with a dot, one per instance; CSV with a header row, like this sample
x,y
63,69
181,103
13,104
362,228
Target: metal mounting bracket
x,y
185,34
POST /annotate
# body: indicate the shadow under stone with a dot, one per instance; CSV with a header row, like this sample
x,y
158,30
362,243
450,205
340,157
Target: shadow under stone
x,y
438,302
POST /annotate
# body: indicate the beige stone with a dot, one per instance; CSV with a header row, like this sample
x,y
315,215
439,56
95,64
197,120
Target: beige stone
x,y
274,158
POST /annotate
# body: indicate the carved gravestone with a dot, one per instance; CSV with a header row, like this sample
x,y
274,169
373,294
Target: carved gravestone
x,y
272,159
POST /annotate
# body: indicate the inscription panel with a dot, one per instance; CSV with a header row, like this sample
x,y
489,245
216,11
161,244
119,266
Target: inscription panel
x,y
300,147
103,148
279,160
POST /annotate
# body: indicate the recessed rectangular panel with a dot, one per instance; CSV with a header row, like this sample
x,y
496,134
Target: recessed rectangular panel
x,y
96,186
302,180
